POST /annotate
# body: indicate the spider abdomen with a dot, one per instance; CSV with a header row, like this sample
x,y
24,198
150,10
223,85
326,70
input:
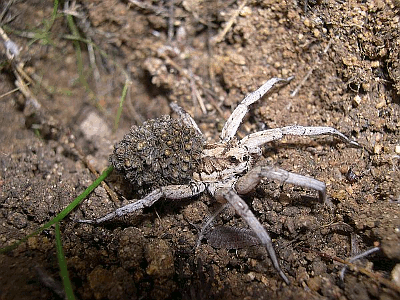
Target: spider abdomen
x,y
161,152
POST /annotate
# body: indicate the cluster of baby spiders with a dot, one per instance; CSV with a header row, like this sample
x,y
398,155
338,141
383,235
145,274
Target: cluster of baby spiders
x,y
169,159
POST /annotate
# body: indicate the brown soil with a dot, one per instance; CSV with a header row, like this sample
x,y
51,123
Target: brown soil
x,y
348,52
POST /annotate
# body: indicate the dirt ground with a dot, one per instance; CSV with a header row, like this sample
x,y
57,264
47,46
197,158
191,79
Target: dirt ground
x,y
345,58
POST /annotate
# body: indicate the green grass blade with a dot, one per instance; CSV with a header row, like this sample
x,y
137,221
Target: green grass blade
x,y
64,212
63,265
54,14
78,52
79,61
121,102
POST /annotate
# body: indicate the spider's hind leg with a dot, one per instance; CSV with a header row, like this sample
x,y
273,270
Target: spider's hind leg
x,y
248,182
206,225
174,192
244,211
186,118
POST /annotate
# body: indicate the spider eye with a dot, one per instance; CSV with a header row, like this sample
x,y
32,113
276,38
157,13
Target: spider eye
x,y
233,159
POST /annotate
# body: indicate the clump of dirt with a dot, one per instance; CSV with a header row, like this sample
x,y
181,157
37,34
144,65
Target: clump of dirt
x,y
345,59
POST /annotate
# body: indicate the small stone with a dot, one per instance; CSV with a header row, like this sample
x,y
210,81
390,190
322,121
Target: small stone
x,y
391,247
316,33
377,148
375,64
397,149
357,100
396,275
246,11
251,276
381,104
94,125
307,22
237,58
366,87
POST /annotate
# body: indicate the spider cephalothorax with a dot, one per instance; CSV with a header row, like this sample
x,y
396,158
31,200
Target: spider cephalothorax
x,y
169,159
221,161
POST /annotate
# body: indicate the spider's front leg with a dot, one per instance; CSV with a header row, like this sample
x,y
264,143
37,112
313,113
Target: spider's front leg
x,y
255,140
174,192
233,123
185,117
244,211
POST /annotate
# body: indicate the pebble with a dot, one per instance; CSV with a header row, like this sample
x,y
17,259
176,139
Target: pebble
x,y
396,275
397,149
357,100
94,125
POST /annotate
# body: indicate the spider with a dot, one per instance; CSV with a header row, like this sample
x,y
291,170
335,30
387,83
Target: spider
x,y
167,158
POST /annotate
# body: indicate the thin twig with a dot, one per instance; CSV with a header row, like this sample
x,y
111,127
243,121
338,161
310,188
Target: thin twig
x,y
8,5
358,256
210,97
171,20
220,36
196,93
311,69
138,119
191,77
364,271
92,61
143,5
9,92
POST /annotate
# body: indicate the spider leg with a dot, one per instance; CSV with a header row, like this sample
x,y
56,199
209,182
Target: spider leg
x,y
248,182
174,192
241,110
243,210
208,222
186,118
254,140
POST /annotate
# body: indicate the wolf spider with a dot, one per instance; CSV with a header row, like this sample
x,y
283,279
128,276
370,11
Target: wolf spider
x,y
224,169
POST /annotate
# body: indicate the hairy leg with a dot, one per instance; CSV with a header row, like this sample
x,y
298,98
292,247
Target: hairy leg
x,y
208,222
249,181
231,126
358,256
257,139
243,210
186,118
175,192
